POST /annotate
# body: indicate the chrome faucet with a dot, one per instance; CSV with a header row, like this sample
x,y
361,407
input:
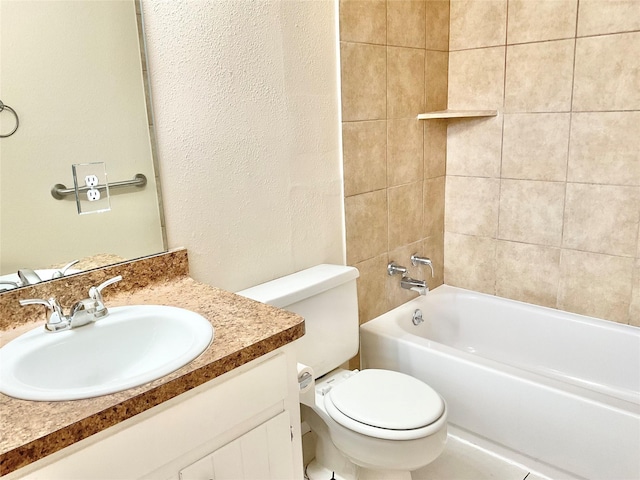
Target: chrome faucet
x,y
56,321
83,312
28,277
394,269
407,282
419,286
94,305
416,260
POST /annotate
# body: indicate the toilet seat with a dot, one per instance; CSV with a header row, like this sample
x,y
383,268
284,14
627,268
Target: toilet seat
x,y
386,404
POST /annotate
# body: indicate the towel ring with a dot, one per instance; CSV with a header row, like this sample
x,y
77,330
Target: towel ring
x,y
7,107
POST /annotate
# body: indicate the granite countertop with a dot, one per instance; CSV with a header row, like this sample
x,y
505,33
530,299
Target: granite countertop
x,y
244,330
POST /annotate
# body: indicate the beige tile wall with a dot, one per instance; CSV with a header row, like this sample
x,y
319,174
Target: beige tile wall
x,y
543,201
537,197
394,62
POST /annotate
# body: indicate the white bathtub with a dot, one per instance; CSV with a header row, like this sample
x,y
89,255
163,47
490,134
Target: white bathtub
x,y
559,388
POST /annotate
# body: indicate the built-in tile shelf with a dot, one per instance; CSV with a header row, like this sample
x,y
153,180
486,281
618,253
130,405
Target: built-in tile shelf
x,y
457,114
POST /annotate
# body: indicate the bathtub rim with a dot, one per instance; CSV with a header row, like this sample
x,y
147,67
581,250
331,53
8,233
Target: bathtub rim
x,y
578,317
388,325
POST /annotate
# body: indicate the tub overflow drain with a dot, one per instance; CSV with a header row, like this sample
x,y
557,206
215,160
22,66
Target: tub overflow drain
x,y
417,317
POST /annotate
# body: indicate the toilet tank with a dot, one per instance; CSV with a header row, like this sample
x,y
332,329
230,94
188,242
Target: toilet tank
x,y
326,296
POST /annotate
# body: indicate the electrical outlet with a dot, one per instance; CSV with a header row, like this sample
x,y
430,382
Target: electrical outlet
x,y
93,194
91,187
91,181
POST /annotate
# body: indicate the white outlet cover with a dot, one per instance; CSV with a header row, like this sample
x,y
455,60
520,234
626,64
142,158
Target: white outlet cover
x,y
91,187
91,180
93,194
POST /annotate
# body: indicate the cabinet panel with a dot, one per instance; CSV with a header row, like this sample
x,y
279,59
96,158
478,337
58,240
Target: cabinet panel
x,y
254,447
279,441
200,470
227,462
264,453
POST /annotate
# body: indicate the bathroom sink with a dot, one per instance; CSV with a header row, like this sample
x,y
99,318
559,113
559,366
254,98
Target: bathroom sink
x,y
133,345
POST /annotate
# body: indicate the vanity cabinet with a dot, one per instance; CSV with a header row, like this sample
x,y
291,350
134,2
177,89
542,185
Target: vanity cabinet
x,y
261,453
243,424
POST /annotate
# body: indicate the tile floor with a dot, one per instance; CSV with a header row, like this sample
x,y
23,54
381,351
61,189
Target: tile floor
x,y
466,458
463,460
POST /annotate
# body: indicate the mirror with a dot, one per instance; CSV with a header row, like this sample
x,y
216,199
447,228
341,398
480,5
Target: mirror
x,y
74,73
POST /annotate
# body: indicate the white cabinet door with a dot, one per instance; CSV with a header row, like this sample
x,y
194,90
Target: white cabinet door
x,y
264,453
227,461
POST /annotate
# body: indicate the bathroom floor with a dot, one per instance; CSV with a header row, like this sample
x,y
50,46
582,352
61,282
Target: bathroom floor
x,y
463,460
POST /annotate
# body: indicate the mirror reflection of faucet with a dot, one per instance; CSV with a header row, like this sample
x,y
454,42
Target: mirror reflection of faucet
x,y
63,271
7,285
26,276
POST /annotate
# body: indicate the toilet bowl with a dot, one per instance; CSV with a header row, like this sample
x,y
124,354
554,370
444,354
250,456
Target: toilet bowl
x,y
370,423
380,420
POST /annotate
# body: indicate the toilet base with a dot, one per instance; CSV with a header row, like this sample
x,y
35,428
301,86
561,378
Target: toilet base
x,y
316,471
341,468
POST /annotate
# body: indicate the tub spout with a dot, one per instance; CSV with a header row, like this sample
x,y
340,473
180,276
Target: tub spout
x,y
419,286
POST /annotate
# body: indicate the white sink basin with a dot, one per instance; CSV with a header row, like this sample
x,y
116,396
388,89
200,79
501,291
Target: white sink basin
x,y
131,346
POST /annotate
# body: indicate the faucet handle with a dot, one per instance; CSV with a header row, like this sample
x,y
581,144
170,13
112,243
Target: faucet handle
x,y
394,269
106,283
61,273
7,282
416,260
95,293
57,320
28,276
52,304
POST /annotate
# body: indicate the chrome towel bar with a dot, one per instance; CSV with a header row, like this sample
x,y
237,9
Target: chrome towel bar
x,y
59,191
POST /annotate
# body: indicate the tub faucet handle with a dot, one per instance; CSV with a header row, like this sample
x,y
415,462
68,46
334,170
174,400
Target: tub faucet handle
x,y
394,269
416,260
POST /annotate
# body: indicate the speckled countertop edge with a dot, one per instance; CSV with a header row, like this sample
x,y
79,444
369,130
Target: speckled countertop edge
x,y
244,331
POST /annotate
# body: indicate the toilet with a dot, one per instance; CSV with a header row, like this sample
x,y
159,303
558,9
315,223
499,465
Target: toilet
x,y
371,423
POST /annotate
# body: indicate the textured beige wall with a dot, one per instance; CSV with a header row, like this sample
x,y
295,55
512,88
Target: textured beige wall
x,y
543,201
72,72
393,67
246,111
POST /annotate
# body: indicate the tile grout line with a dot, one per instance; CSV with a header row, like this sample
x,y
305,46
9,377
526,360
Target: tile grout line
x,y
554,247
560,284
559,39
504,100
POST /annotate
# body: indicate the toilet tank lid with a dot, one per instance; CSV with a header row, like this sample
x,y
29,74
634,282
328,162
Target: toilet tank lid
x,y
293,288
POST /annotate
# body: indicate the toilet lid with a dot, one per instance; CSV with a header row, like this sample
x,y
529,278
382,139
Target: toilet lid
x,y
388,400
